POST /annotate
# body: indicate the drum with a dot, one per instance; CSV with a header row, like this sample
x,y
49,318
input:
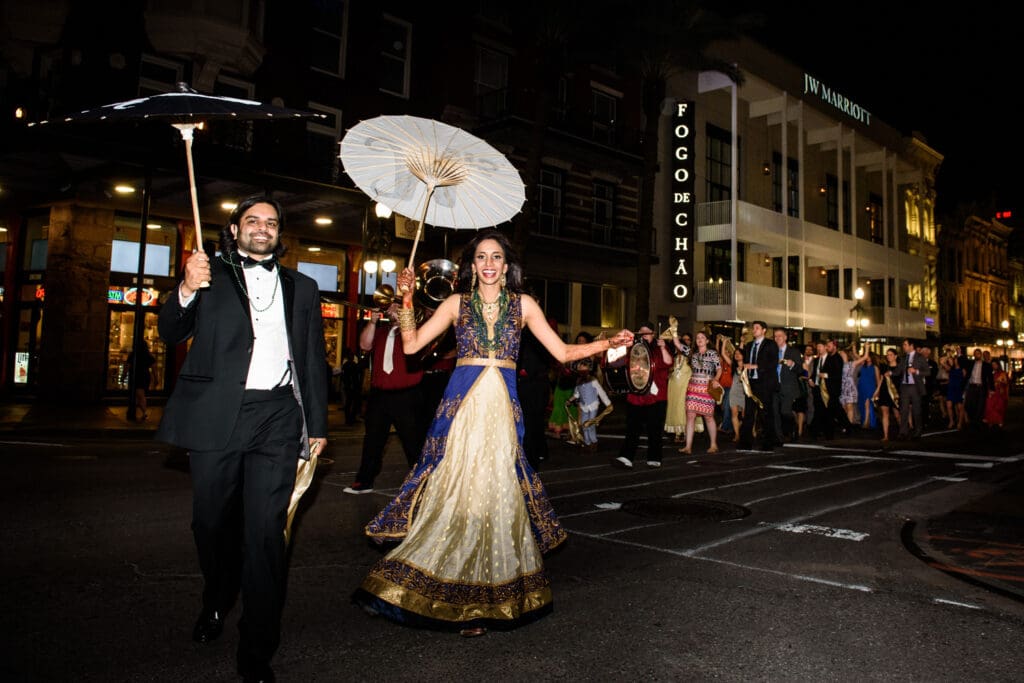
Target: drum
x,y
628,371
615,380
640,374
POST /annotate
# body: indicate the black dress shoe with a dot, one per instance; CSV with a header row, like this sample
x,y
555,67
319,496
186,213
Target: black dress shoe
x,y
208,626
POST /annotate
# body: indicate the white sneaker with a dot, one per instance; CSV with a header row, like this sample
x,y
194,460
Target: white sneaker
x,y
654,463
626,462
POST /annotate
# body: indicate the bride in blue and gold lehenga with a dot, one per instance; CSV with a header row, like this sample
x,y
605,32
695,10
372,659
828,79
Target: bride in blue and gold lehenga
x,y
472,516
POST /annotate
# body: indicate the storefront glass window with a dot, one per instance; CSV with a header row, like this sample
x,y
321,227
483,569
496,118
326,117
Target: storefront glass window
x,y
160,240
36,235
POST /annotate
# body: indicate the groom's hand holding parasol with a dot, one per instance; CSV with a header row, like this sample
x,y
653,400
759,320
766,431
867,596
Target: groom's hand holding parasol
x,y
197,273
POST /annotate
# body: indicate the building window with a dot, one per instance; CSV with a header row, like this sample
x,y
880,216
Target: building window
x,y
549,211
322,136
831,202
792,176
553,297
37,235
876,219
603,219
832,283
158,75
590,305
718,261
719,164
327,43
605,117
395,52
161,238
491,82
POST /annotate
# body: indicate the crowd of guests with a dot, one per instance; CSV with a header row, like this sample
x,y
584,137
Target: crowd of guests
x,y
758,395
768,392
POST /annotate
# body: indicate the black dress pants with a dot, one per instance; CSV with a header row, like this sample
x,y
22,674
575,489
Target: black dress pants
x,y
648,418
533,399
239,511
762,416
402,408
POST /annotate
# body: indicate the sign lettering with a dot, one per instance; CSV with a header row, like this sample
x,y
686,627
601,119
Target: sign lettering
x,y
680,279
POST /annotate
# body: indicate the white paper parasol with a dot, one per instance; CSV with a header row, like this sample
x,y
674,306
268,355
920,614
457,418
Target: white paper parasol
x,y
433,172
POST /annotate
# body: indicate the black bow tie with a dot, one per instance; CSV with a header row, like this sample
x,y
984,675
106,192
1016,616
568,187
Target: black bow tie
x,y
249,262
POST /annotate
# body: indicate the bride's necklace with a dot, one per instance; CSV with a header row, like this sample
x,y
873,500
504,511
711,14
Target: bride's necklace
x,y
490,309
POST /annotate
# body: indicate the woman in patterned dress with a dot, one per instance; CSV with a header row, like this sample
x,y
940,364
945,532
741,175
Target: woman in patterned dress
x,y
848,391
472,517
706,370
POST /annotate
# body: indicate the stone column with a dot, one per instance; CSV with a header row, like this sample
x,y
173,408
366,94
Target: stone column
x,y
73,343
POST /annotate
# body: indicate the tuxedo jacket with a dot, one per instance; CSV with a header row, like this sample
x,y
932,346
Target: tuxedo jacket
x,y
767,362
832,367
203,408
987,378
920,364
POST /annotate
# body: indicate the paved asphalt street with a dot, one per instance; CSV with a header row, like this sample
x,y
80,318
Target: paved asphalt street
x,y
977,542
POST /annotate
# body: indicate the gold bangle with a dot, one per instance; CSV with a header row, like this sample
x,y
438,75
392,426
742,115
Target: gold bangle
x,y
407,319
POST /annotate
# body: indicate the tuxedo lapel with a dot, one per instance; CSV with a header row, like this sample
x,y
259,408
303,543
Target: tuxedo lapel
x,y
288,288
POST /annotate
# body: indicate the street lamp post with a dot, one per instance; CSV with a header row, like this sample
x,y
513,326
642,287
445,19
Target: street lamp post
x,y
857,318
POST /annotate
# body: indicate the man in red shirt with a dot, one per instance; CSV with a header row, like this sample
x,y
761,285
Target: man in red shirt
x,y
395,399
648,409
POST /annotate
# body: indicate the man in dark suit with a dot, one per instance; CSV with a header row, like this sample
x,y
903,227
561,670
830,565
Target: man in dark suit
x,y
761,361
979,381
826,378
250,401
911,373
789,371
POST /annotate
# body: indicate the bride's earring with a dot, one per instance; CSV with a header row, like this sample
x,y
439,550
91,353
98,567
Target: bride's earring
x,y
502,281
472,285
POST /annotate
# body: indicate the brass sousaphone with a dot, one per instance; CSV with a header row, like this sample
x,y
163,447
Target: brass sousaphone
x,y
435,282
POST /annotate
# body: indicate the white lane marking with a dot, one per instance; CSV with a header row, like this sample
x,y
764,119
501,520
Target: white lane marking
x,y
950,478
608,506
754,481
765,570
968,605
864,457
829,484
789,467
957,456
693,552
976,465
44,444
827,531
816,447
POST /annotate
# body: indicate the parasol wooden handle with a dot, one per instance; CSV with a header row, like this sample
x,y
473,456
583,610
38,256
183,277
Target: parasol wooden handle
x,y
186,135
419,226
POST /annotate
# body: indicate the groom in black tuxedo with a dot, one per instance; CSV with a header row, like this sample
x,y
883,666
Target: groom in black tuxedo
x,y
250,400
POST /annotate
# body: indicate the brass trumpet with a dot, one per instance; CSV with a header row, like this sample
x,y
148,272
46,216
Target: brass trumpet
x,y
383,297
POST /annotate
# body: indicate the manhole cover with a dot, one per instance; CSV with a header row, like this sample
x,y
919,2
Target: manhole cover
x,y
684,508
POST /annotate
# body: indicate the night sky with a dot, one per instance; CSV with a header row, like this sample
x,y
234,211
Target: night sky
x,y
951,73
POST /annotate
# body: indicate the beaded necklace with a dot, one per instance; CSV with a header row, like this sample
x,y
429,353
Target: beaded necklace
x,y
236,267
